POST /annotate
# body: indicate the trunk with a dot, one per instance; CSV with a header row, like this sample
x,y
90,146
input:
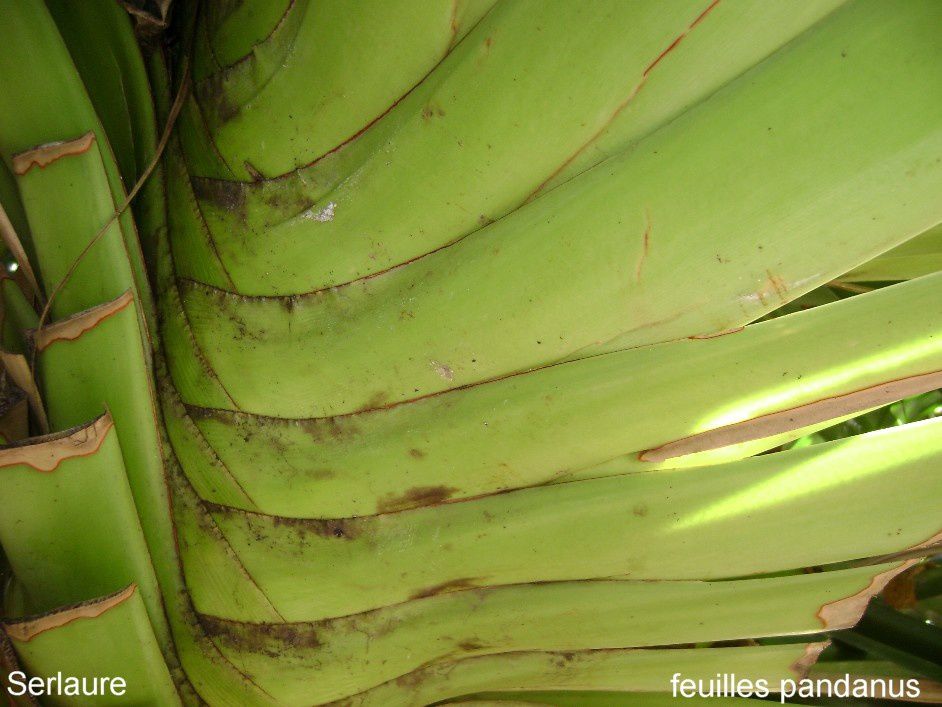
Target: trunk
x,y
386,353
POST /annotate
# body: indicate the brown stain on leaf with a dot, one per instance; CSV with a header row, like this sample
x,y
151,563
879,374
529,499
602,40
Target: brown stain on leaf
x,y
195,412
222,194
329,428
452,585
778,285
253,171
645,245
341,428
416,497
262,524
628,99
289,303
269,639
715,334
213,96
673,45
471,646
339,528
411,680
563,661
432,111
377,400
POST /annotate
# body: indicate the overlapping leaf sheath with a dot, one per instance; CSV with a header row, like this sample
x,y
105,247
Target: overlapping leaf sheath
x,y
920,256
85,509
366,334
456,384
764,217
106,637
66,482
495,436
60,112
504,111
640,526
554,616
611,669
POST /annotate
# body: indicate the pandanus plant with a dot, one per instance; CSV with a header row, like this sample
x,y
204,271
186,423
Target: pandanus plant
x,y
387,352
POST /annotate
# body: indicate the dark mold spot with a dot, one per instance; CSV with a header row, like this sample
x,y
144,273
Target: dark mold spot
x,y
562,660
212,95
410,680
225,195
471,646
377,400
431,110
346,528
289,303
329,428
